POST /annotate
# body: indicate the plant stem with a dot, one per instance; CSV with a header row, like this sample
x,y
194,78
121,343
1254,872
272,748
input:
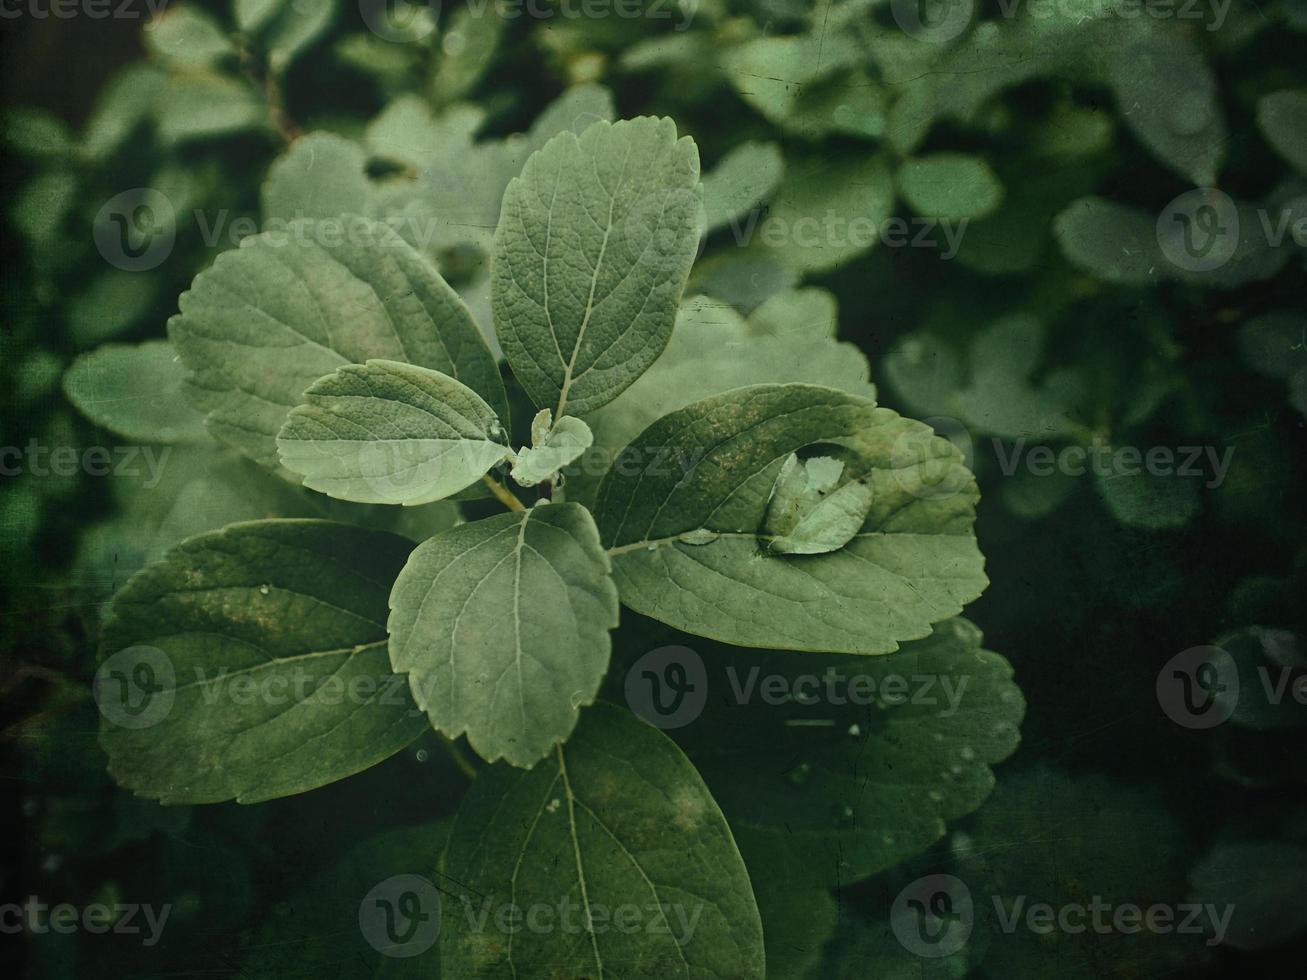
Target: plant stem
x,y
502,493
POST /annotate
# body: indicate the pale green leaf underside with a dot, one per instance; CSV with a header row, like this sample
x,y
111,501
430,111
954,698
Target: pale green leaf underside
x,y
712,466
502,627
615,818
274,316
809,514
593,248
555,447
846,786
391,433
136,392
287,606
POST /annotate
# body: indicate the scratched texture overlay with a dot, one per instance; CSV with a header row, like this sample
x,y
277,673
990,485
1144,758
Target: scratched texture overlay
x,y
644,489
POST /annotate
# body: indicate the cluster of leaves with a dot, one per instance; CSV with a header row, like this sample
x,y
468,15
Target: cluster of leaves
x,y
1049,141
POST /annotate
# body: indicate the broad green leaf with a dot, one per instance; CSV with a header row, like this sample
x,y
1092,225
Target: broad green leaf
x,y
321,176
285,309
791,337
618,828
109,305
36,133
592,251
553,446
333,926
251,663
1166,93
827,210
1282,117
284,27
1003,397
837,768
136,392
467,46
1154,501
950,185
502,627
772,73
386,432
740,182
710,467
126,102
187,37
810,511
796,921
1122,244
206,105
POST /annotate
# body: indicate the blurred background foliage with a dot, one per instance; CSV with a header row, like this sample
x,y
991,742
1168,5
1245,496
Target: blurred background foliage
x,y
1058,132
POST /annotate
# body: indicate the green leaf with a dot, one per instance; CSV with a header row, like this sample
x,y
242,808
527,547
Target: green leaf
x,y
791,337
251,664
810,512
553,446
285,28
283,310
467,47
386,432
321,176
592,251
950,186
1282,118
205,105
1166,92
618,827
36,133
711,466
1155,501
741,181
502,627
126,101
136,392
186,37
868,761
828,210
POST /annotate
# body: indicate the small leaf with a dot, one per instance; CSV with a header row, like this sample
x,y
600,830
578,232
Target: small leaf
x,y
391,433
808,513
283,310
321,176
187,37
592,251
502,627
712,465
206,105
553,446
741,181
1282,117
135,392
950,186
284,27
618,821
251,664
